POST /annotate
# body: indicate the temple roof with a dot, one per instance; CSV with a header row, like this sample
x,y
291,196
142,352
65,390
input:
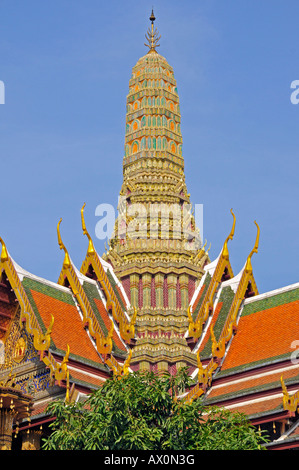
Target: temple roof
x,y
70,321
260,354
265,329
156,302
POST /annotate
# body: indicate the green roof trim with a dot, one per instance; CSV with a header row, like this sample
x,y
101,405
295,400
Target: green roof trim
x,y
85,383
92,293
83,360
51,291
30,284
253,365
114,287
246,391
206,285
57,294
226,297
274,300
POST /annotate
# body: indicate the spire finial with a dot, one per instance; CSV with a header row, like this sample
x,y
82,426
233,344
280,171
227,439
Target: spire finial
x,y
230,237
4,254
67,261
254,250
91,248
152,17
152,35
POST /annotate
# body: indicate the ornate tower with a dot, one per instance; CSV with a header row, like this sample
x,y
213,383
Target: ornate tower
x,y
156,248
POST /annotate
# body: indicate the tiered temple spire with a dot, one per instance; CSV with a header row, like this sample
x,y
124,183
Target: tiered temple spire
x,y
156,248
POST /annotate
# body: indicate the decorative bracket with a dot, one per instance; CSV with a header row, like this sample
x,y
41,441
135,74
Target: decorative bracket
x,y
290,403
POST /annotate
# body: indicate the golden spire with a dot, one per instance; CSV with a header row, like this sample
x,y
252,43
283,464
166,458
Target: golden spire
x,y
152,35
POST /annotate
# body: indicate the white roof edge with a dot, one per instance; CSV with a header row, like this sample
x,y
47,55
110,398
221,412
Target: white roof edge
x,y
212,265
234,279
271,293
81,276
104,263
23,273
117,281
197,290
207,269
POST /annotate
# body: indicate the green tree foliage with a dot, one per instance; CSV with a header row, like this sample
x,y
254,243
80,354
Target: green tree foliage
x,y
142,411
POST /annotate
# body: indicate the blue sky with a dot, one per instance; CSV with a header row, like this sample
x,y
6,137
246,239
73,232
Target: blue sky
x,y
66,66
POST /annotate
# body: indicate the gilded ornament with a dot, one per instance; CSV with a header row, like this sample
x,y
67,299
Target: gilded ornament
x,y
20,350
290,402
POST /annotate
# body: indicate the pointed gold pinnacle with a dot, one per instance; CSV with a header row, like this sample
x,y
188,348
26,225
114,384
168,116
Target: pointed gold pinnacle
x,y
152,36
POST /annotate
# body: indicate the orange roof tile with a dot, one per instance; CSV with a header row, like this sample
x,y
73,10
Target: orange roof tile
x,y
85,377
68,327
40,408
258,406
252,382
264,334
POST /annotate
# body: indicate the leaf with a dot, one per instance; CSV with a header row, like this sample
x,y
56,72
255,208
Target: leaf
x,y
140,412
